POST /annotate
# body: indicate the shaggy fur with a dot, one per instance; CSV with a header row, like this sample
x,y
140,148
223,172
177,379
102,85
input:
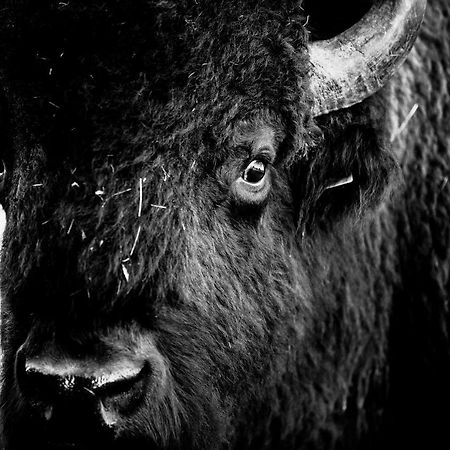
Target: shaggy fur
x,y
317,319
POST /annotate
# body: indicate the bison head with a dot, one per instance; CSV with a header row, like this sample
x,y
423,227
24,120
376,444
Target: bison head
x,y
170,214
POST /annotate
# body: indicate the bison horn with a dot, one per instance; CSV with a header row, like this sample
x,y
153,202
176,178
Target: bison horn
x,y
355,64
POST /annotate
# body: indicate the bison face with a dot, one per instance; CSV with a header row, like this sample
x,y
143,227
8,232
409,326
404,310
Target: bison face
x,y
167,231
142,308
150,256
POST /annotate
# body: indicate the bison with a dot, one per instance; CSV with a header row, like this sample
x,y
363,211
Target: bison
x,y
228,224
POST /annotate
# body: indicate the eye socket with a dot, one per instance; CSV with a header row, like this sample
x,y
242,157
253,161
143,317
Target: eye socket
x,y
254,172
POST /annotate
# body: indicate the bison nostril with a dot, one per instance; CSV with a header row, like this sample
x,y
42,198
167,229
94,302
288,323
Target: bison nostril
x,y
37,386
53,387
117,385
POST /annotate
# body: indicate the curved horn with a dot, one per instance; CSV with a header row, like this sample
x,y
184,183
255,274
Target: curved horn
x,y
355,64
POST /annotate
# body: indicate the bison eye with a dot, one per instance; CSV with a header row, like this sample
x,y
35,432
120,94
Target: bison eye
x,y
253,186
254,172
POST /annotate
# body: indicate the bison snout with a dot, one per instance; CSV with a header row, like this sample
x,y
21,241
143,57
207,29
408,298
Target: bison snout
x,y
65,390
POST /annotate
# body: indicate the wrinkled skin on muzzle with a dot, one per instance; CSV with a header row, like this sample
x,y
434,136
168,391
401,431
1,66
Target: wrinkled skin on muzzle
x,y
129,248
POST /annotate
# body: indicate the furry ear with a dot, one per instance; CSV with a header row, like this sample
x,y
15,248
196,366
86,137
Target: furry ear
x,y
345,176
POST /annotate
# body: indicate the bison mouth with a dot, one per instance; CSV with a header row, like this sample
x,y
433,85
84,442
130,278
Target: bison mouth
x,y
100,442
97,441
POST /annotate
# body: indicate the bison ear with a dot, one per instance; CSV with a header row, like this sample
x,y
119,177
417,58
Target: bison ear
x,y
344,177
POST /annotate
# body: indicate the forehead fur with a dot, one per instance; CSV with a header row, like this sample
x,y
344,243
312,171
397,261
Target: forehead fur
x,y
209,60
